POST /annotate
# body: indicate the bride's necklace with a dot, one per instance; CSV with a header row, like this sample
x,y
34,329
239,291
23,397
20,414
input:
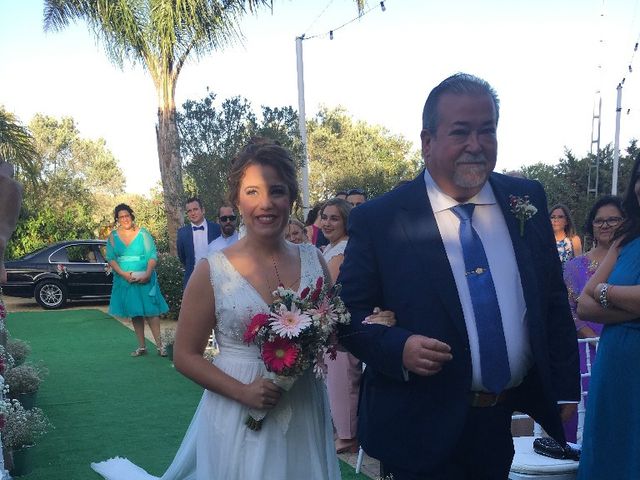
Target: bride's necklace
x,y
280,282
275,267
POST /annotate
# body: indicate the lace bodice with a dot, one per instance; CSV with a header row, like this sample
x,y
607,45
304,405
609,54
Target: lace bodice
x,y
237,301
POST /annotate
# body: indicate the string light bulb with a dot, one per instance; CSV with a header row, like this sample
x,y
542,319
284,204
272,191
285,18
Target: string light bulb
x,y
382,7
330,34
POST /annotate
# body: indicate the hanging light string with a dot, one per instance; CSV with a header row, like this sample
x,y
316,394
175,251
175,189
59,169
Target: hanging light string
x,y
378,5
630,66
319,16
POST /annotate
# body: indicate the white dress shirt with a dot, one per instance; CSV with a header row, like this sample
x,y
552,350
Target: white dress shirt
x,y
222,242
200,242
489,222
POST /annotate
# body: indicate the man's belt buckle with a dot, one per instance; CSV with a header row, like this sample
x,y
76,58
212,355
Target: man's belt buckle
x,y
484,399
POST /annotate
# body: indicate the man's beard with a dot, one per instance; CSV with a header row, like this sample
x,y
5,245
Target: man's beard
x,y
228,230
469,174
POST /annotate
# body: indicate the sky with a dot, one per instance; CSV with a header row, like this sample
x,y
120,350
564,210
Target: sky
x,y
546,60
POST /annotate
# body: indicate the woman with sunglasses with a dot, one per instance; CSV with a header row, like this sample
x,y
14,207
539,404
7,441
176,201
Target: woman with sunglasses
x,y
611,445
569,244
602,222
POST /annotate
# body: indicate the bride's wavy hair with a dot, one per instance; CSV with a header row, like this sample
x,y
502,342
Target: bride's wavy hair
x,y
264,151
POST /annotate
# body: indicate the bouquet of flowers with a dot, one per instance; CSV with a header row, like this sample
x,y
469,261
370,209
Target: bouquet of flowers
x,y
296,333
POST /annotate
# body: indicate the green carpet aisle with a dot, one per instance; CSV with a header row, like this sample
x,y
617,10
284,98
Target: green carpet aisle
x,y
101,401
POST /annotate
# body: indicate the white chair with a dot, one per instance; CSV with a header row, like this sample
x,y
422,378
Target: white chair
x,y
528,465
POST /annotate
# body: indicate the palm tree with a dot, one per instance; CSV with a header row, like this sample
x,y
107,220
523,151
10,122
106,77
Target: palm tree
x,y
16,146
160,35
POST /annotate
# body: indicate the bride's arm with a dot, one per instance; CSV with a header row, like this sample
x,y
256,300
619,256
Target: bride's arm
x,y
196,321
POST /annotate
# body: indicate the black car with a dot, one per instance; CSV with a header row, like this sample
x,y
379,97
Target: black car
x,y
63,271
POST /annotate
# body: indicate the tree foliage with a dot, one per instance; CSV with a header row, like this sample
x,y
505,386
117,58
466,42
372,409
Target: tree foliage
x,y
567,181
77,180
16,146
345,153
214,132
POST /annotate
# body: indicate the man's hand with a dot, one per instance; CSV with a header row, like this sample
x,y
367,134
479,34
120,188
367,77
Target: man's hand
x,y
425,356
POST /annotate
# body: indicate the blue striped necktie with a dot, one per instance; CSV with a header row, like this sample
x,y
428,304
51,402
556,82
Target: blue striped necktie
x,y
494,361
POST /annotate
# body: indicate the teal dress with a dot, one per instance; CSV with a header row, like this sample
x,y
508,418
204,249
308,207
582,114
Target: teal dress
x,y
611,445
135,299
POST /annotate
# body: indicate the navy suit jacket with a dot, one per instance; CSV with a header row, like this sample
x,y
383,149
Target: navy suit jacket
x,y
184,243
395,259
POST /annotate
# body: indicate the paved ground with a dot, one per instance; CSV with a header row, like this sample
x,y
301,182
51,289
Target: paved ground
x,y
370,466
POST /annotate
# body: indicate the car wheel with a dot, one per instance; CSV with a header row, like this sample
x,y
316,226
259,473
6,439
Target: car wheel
x,y
50,294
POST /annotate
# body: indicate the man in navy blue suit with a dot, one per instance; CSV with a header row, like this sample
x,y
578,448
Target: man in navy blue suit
x,y
194,239
483,323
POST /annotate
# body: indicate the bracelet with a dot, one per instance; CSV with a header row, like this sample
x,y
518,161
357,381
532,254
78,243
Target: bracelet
x,y
604,301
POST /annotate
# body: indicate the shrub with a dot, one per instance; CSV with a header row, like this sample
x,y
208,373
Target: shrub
x,y
170,275
24,378
21,427
19,350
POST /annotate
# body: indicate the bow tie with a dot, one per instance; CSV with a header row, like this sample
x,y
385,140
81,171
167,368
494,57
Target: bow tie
x,y
201,227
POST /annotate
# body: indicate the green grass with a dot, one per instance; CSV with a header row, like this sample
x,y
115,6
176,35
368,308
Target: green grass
x,y
103,402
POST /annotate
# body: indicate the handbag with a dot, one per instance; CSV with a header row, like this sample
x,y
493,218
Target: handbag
x,y
551,448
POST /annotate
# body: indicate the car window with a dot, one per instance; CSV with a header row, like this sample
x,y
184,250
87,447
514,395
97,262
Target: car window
x,y
59,256
103,252
81,254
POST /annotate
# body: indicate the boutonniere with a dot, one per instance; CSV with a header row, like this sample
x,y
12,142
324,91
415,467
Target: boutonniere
x,y
522,209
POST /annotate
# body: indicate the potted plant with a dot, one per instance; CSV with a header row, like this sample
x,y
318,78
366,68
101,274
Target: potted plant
x,y
167,337
23,382
20,430
18,349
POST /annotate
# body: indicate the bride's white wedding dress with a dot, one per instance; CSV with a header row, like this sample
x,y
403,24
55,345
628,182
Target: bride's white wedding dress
x,y
296,439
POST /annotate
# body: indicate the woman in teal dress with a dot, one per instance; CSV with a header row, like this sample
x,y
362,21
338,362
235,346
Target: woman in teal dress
x,y
131,252
611,445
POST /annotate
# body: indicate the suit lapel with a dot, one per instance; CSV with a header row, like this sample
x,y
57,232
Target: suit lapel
x,y
419,224
524,259
191,254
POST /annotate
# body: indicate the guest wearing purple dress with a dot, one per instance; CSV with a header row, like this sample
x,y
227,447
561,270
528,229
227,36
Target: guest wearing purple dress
x,y
604,218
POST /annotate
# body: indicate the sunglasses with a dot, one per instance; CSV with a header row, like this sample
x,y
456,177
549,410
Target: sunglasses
x,y
228,218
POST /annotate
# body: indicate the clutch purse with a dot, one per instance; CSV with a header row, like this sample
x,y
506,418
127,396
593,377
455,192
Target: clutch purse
x,y
551,448
138,274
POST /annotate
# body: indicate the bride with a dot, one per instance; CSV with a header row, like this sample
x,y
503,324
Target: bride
x,y
223,294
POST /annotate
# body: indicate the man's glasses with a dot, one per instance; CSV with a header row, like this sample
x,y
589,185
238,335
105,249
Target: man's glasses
x,y
228,218
611,221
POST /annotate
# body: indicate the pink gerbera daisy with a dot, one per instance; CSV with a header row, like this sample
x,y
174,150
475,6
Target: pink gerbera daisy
x,y
279,354
257,322
289,323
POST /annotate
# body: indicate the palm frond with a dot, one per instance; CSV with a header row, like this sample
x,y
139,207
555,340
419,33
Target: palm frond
x,y
16,145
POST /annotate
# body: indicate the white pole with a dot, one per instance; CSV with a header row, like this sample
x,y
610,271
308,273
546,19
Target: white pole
x,y
303,128
616,143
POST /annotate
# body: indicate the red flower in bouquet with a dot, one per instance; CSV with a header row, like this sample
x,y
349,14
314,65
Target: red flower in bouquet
x,y
257,322
279,354
316,293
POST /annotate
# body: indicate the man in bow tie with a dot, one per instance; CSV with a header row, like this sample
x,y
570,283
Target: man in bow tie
x,y
483,325
193,240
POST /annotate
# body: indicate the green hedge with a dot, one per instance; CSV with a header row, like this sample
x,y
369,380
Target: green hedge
x,y
170,275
